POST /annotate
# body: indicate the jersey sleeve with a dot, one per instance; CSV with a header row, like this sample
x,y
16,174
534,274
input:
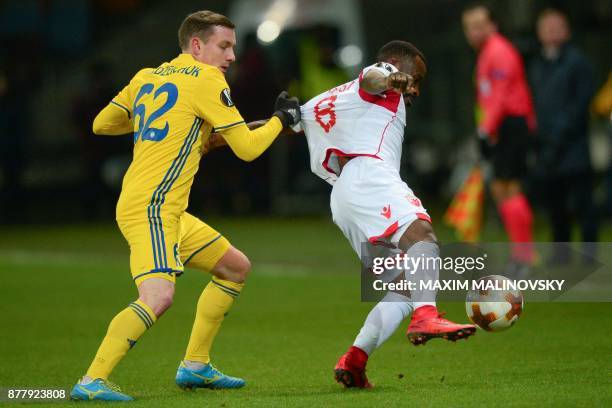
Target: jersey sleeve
x,y
213,102
125,98
250,144
122,101
112,121
117,117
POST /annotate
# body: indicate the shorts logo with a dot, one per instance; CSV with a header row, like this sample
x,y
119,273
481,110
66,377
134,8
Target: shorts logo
x,y
386,212
226,98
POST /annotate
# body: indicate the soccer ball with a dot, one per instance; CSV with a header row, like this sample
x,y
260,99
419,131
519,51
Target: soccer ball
x,y
491,307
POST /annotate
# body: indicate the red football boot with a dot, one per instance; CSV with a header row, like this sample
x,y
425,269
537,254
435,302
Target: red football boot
x,y
350,370
428,323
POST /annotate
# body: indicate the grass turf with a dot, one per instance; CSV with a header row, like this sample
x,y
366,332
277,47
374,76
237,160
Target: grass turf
x,y
298,313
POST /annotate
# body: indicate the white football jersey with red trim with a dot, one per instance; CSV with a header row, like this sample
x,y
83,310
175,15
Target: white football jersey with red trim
x,y
347,121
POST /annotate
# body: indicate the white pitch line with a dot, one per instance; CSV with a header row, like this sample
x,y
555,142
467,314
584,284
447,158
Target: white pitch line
x,y
20,257
60,258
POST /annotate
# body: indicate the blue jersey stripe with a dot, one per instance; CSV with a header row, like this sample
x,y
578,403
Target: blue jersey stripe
x,y
170,171
154,221
154,209
153,239
176,165
176,172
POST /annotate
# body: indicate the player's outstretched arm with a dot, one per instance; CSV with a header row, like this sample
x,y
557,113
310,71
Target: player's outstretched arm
x,y
248,145
216,140
113,121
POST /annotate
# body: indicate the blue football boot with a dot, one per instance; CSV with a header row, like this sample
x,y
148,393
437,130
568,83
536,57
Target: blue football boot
x,y
99,390
206,377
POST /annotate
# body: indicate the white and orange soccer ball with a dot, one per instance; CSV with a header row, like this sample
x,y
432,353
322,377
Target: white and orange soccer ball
x,y
491,307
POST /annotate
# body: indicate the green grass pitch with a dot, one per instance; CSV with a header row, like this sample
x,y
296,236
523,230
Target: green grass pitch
x,y
298,313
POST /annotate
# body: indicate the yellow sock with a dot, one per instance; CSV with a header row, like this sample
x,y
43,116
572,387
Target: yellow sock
x,y
216,299
123,332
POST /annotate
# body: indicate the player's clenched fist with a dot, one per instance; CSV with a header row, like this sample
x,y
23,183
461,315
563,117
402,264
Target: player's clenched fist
x,y
287,109
399,82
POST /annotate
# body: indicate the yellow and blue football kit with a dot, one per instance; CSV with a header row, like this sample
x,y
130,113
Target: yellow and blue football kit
x,y
171,110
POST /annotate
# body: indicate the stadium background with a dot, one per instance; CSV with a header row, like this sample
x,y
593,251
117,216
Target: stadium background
x,y
61,254
61,60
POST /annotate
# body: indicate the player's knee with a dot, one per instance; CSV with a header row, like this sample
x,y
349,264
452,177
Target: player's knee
x,y
234,266
427,233
165,300
158,297
241,269
419,231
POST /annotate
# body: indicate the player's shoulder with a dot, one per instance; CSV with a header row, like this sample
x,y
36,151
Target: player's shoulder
x,y
500,47
212,74
212,82
140,77
143,72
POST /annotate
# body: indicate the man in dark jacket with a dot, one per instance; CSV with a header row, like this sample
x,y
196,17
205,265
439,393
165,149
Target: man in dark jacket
x,y
562,84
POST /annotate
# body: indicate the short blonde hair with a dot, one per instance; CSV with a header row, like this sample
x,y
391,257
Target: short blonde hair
x,y
200,24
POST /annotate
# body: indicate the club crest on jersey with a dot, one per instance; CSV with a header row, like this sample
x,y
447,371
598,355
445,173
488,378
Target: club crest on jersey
x,y
226,98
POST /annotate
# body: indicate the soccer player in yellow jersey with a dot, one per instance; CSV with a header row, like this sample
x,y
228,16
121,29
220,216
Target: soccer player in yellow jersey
x,y
172,110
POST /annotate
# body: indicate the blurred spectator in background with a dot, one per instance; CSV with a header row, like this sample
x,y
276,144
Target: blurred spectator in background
x,y
98,198
602,106
562,83
318,70
254,88
253,82
505,120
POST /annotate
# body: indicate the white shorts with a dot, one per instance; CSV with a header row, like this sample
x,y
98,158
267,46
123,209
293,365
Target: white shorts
x,y
372,205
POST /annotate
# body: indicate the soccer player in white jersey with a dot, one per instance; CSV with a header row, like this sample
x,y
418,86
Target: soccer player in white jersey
x,y
355,133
